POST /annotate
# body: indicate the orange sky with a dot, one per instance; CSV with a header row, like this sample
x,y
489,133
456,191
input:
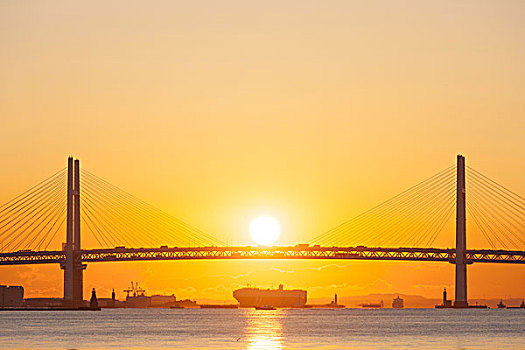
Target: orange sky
x,y
220,112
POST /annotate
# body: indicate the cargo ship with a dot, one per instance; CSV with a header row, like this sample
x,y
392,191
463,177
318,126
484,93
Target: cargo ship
x,y
373,305
255,297
398,303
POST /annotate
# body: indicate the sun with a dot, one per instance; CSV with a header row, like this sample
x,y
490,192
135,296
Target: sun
x,y
265,230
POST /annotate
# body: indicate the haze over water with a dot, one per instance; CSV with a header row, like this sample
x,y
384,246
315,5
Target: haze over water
x,y
251,329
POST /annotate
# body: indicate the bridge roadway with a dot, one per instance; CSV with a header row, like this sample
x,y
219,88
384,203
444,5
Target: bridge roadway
x,y
295,252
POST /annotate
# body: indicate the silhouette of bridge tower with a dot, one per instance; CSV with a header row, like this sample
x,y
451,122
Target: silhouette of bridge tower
x,y
461,236
72,265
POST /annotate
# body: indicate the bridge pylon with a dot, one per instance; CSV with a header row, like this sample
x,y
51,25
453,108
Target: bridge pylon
x,y
461,237
72,266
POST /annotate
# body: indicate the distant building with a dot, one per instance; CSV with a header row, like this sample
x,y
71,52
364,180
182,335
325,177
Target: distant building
x,y
11,296
108,302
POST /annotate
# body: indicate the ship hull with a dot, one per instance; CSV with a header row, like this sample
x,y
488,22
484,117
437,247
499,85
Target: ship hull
x,y
254,297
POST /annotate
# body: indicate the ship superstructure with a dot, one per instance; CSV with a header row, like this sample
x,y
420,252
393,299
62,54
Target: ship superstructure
x,y
138,299
280,297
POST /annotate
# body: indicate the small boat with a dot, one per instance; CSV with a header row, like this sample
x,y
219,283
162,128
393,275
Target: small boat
x,y
501,305
264,307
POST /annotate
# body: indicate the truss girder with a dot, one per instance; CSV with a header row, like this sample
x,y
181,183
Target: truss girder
x,y
301,252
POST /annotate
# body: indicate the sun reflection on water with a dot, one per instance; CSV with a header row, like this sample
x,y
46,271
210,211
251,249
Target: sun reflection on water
x,y
263,330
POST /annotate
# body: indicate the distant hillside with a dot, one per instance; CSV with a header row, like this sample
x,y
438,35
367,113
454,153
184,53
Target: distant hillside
x,y
355,301
411,301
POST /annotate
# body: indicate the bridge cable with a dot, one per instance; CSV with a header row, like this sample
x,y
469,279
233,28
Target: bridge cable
x,y
473,213
401,216
53,214
108,214
442,224
54,204
501,210
390,202
500,188
119,222
132,203
134,225
363,224
60,218
33,189
27,217
87,215
477,212
33,220
427,220
431,204
510,210
22,204
379,211
495,223
399,204
151,210
57,230
103,223
498,208
94,229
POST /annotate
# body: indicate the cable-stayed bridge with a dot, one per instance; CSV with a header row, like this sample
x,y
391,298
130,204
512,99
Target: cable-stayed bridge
x,y
117,226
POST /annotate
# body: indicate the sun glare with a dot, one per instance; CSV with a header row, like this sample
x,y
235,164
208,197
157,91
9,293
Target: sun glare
x,y
265,230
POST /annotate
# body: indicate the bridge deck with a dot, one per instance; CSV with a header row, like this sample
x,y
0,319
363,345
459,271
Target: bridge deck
x,y
296,252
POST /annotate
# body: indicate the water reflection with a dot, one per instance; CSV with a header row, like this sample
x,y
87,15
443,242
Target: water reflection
x,y
263,330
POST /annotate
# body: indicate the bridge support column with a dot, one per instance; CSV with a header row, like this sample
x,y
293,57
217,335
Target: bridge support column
x,y
461,237
67,266
73,267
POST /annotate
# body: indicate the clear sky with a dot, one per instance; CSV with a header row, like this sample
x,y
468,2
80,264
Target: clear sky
x,y
222,111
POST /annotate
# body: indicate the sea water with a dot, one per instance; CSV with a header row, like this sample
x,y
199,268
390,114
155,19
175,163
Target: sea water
x,y
264,329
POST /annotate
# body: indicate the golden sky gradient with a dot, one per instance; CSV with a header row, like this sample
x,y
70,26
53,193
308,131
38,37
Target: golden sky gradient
x,y
222,111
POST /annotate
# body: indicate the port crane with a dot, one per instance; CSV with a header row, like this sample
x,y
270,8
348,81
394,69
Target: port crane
x,y
136,289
